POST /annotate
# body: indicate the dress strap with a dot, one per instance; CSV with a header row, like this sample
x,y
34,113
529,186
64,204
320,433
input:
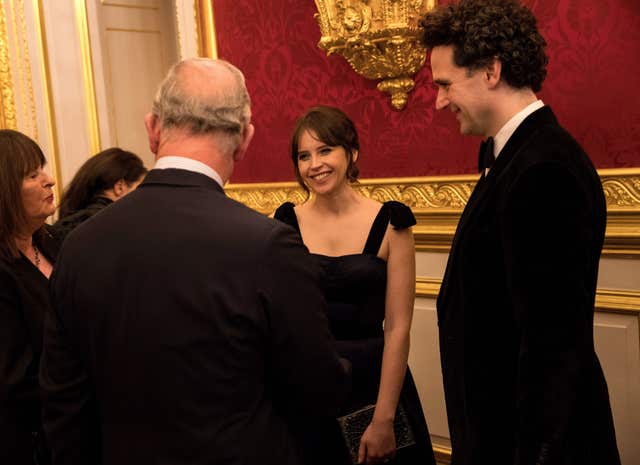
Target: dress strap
x,y
376,234
398,214
287,215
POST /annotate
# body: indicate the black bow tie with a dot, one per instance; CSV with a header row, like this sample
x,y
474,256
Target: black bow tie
x,y
485,155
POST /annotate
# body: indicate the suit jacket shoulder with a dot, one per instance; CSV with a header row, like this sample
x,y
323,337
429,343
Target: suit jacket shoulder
x,y
541,139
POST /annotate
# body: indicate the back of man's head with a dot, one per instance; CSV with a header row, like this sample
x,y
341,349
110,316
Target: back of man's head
x,y
483,30
204,97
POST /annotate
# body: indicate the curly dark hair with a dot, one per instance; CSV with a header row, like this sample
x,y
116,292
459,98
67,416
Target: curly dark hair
x,y
481,30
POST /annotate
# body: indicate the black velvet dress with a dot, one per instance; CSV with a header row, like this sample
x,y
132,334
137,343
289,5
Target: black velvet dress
x,y
355,289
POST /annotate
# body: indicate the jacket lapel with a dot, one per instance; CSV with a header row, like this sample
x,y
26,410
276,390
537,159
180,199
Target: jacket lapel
x,y
485,185
467,213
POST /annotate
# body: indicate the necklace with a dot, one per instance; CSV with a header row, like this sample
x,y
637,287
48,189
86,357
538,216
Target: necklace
x,y
36,256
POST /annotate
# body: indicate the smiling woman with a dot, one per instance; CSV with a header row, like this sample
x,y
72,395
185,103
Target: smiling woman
x,y
27,254
366,253
324,137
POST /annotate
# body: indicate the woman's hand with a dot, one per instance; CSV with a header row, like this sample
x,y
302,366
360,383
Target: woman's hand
x,y
378,443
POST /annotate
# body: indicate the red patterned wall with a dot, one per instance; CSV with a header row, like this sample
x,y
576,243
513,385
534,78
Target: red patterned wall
x,y
592,85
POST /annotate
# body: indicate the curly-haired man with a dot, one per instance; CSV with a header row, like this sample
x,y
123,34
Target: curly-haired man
x,y
522,381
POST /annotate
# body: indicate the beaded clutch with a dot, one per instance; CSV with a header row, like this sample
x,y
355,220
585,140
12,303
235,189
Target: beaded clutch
x,y
354,424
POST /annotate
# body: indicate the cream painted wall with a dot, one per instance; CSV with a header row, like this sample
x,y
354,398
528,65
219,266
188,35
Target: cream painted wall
x,y
28,77
69,104
134,43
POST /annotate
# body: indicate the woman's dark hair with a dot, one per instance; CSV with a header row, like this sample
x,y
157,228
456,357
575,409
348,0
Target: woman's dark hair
x,y
98,174
334,128
483,30
19,156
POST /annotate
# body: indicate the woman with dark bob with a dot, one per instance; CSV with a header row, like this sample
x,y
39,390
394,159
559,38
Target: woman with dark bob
x,y
27,253
100,181
366,253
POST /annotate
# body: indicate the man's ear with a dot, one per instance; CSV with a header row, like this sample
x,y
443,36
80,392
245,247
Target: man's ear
x,y
493,72
152,125
354,155
247,135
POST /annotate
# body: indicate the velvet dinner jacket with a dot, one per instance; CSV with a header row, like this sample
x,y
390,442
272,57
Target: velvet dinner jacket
x,y
522,382
188,329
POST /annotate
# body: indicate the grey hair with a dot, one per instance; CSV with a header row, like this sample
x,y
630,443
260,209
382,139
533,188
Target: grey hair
x,y
221,109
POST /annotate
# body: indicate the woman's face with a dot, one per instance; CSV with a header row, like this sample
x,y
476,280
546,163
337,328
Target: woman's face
x,y
128,188
37,196
323,168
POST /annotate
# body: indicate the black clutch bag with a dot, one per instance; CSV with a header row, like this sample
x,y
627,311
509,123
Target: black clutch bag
x,y
354,424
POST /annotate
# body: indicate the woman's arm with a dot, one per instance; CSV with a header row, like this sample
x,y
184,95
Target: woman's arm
x,y
378,441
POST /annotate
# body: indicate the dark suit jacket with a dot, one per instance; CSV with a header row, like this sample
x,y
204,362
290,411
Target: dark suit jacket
x,y
24,302
522,381
189,330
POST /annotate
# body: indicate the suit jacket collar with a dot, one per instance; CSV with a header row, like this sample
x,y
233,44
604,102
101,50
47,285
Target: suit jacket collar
x,y
542,117
178,177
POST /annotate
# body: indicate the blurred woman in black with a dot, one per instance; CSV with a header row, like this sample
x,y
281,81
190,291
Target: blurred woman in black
x,y
100,181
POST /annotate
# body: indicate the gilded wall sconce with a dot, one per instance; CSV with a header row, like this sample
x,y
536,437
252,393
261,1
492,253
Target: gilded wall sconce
x,y
379,38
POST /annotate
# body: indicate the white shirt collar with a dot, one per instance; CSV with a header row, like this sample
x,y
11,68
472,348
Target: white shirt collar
x,y
189,164
503,135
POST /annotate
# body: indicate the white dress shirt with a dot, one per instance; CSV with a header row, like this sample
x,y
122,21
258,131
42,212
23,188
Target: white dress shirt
x,y
189,164
503,135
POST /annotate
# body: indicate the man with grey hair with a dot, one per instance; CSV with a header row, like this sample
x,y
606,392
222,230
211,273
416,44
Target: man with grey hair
x,y
187,329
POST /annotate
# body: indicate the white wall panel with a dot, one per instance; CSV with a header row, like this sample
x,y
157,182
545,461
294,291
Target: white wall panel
x,y
618,347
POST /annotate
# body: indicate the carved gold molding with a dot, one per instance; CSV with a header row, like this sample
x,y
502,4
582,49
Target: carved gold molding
x,y
176,14
427,287
8,104
129,5
26,81
18,86
438,202
87,75
442,454
607,300
622,191
379,38
18,103
47,94
424,194
618,301
205,29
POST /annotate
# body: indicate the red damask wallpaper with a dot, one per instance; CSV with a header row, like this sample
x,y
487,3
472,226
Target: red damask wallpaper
x,y
592,85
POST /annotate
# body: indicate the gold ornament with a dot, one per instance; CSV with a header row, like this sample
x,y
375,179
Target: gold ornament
x,y
379,38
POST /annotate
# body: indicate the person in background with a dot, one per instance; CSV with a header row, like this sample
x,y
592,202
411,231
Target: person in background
x,y
103,179
200,337
366,253
515,310
27,254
